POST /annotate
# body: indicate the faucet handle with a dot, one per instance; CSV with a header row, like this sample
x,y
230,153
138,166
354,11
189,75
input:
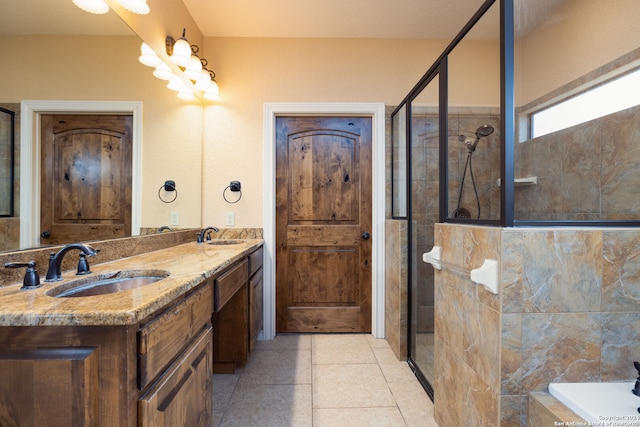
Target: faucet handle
x,y
31,278
83,265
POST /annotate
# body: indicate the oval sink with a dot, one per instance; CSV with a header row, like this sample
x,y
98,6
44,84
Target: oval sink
x,y
226,241
107,283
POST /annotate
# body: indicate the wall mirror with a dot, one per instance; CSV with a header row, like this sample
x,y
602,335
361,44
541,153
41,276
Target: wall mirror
x,y
93,58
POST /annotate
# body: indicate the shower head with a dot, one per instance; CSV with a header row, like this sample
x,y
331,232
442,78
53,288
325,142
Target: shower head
x,y
484,130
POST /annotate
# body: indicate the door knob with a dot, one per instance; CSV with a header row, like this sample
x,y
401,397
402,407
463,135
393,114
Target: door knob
x,y
45,234
366,235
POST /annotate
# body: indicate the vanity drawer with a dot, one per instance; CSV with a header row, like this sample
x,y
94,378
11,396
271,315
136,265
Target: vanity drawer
x,y
228,283
255,261
165,337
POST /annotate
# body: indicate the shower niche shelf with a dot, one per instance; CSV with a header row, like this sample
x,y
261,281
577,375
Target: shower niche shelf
x,y
521,182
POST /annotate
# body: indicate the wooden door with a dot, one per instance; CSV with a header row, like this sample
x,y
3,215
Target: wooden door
x,y
323,221
85,177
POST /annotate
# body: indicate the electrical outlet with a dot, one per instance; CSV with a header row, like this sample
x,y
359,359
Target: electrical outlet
x,y
229,218
174,218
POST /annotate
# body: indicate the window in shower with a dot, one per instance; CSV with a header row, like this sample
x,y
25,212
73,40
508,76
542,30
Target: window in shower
x,y
607,98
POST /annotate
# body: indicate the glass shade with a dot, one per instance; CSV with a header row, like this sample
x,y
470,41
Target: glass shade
x,y
176,84
209,96
92,6
181,53
163,72
148,57
202,82
136,6
212,93
186,95
194,70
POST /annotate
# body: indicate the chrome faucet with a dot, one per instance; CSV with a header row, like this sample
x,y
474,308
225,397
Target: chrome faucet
x,y
203,233
55,260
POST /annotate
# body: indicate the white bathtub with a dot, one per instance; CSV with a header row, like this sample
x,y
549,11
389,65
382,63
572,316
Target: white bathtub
x,y
600,403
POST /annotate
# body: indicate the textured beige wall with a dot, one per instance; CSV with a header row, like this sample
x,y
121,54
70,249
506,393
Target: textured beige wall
x,y
106,68
581,36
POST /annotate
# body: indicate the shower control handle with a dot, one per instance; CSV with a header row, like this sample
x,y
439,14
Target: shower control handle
x,y
366,235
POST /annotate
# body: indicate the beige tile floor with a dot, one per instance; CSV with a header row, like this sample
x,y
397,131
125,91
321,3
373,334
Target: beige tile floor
x,y
322,380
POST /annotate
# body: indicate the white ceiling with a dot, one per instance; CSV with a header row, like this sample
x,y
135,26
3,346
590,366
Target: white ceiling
x,y
413,19
259,18
420,19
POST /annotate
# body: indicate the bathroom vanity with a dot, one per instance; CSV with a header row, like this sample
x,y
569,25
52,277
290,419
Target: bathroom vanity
x,y
138,357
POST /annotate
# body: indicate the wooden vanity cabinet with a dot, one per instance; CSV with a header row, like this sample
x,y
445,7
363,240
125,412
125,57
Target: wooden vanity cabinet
x,y
154,373
68,375
255,296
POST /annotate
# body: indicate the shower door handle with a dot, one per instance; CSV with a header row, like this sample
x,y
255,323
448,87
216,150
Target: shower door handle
x,y
365,236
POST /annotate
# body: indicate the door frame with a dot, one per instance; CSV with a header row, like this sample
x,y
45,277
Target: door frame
x,y
30,111
378,190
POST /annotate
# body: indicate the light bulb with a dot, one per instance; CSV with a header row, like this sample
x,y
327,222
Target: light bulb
x,y
148,57
136,6
92,6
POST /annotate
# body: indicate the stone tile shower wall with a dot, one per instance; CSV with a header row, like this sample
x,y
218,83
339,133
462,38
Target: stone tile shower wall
x,y
586,172
395,280
485,161
568,310
425,182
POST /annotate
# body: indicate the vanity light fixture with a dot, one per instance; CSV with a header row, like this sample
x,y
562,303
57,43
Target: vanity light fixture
x,y
195,79
101,7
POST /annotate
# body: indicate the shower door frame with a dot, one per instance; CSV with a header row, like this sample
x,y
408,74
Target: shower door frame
x,y
440,73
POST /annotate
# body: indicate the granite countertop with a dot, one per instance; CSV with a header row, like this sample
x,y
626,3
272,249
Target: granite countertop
x,y
189,264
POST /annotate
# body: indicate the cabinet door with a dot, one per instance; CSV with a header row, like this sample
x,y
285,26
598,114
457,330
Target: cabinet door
x,y
49,387
183,396
255,308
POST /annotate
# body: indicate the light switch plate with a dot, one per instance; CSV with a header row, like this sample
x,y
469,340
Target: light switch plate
x,y
229,218
174,218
